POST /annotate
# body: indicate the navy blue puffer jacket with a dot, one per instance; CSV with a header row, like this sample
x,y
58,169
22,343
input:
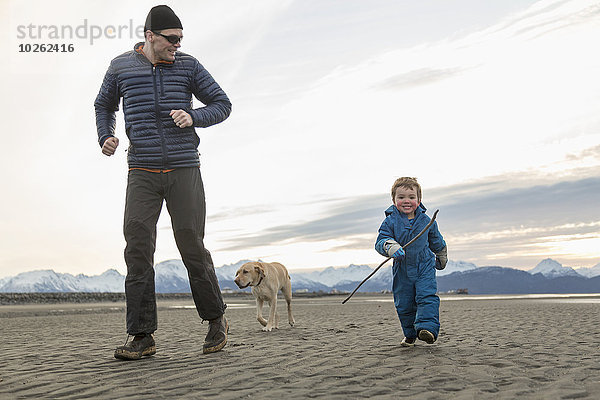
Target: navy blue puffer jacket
x,y
149,93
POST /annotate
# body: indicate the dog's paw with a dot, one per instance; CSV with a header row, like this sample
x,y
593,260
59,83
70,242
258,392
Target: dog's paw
x,y
267,329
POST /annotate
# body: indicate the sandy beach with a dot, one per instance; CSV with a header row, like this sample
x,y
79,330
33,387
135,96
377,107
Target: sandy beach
x,y
499,348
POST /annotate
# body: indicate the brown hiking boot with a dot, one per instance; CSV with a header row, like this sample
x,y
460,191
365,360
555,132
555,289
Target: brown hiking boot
x,y
426,336
140,346
217,335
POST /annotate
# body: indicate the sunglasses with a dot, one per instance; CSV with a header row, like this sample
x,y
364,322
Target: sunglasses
x,y
173,39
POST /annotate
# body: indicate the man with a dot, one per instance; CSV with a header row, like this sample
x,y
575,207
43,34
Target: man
x,y
156,82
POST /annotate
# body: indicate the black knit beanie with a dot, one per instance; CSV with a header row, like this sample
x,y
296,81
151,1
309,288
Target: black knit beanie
x,y
161,17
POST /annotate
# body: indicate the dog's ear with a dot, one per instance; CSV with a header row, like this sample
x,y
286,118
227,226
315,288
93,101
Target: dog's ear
x,y
259,270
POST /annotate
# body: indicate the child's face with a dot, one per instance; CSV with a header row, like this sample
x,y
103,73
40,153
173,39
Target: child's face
x,y
406,201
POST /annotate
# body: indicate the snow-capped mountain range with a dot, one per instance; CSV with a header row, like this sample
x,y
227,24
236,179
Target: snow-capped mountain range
x,y
50,281
552,269
171,277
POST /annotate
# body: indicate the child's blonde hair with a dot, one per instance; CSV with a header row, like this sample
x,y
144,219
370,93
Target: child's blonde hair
x,y
407,183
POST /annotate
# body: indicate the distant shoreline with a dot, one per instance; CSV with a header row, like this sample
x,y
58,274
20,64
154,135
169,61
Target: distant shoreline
x,y
110,297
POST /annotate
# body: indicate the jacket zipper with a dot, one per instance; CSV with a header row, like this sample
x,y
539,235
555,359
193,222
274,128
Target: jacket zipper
x,y
158,120
162,88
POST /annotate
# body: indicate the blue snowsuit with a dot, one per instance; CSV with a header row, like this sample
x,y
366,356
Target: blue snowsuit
x,y
414,285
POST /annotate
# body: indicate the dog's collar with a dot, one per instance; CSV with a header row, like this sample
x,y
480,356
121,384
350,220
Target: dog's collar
x,y
260,280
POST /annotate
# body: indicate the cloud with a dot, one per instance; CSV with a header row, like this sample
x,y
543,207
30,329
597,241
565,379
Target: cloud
x,y
536,206
346,219
547,18
418,77
254,210
475,101
480,220
591,152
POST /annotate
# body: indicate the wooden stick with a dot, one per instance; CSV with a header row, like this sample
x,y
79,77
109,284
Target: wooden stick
x,y
387,259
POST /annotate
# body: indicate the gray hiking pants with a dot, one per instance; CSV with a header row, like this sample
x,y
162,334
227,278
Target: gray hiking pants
x,y
183,191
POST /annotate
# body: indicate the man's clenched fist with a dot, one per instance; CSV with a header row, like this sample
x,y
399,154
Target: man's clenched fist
x,y
110,146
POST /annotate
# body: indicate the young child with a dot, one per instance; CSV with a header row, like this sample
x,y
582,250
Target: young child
x,y
414,283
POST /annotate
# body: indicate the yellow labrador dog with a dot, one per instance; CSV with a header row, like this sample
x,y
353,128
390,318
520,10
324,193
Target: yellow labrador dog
x,y
266,279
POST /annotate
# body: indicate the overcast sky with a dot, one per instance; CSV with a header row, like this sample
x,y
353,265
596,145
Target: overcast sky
x,y
493,105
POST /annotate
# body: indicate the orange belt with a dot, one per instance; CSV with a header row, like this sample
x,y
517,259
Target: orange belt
x,y
156,171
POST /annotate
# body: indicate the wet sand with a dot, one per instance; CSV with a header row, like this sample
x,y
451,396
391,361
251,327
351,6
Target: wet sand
x,y
496,349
